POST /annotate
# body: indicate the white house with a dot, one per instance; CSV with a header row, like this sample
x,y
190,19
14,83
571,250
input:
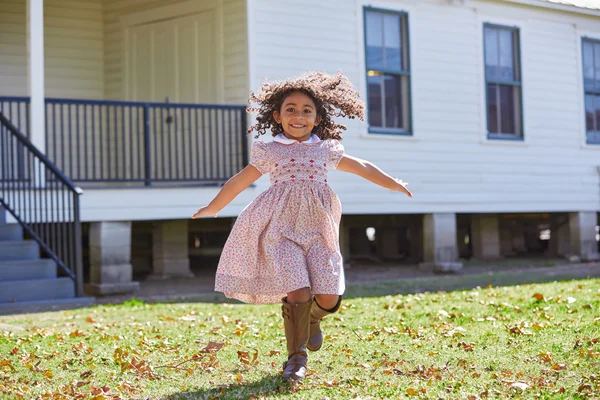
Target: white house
x,y
490,109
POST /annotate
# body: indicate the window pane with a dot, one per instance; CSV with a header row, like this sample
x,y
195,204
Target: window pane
x,y
507,64
589,113
491,53
588,64
597,126
510,109
374,93
392,41
393,102
597,64
374,39
492,109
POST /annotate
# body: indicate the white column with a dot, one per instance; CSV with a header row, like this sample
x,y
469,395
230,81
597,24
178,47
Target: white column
x,y
170,256
440,252
35,47
110,259
485,236
582,230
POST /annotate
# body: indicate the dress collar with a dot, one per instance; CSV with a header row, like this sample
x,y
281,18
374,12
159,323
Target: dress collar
x,y
280,138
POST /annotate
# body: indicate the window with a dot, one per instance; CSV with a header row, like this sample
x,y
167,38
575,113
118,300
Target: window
x,y
388,71
591,87
503,82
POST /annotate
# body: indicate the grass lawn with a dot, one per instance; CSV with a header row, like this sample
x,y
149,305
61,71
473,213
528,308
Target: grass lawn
x,y
530,341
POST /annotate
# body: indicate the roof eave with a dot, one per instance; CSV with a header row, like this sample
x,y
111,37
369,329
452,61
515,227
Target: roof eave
x,y
556,6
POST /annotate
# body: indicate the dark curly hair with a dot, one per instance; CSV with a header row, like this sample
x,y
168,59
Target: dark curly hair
x,y
333,95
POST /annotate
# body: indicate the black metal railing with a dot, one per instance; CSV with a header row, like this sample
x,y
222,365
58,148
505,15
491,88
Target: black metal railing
x,y
117,141
16,110
42,199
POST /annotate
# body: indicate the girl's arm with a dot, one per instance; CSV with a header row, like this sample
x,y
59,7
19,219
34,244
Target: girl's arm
x,y
229,191
370,172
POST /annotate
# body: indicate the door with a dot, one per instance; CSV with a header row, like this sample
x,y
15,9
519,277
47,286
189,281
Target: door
x,y
174,61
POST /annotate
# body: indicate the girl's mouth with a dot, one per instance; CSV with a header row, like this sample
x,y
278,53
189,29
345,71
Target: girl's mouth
x,y
297,126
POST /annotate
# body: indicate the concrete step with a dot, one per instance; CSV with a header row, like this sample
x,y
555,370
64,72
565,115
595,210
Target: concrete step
x,y
36,289
22,270
11,232
20,307
19,250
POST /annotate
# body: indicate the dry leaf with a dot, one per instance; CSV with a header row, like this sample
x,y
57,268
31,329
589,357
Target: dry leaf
x,y
539,296
212,347
520,385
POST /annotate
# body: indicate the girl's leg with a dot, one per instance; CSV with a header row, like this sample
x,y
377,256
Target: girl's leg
x,y
296,321
299,296
327,301
323,305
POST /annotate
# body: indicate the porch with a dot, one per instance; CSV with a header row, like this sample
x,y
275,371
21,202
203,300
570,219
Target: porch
x,y
117,98
102,144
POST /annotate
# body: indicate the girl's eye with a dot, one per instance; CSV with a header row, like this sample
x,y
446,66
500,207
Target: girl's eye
x,y
290,110
308,111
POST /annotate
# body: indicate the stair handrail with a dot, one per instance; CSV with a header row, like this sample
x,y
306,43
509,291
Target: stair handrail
x,y
36,174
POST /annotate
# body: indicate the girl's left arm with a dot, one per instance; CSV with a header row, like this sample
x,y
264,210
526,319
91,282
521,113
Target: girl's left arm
x,y
369,171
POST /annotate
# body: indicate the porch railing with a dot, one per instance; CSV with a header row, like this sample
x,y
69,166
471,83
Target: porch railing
x,y
116,141
16,110
100,141
42,199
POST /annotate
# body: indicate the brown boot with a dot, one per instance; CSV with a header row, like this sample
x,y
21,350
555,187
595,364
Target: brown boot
x,y
315,340
296,321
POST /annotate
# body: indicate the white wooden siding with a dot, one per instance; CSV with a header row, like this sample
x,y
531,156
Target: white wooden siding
x,y
73,48
449,162
231,33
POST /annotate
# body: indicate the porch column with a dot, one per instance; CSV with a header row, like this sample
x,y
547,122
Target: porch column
x,y
170,256
110,259
485,236
582,230
440,252
560,242
35,48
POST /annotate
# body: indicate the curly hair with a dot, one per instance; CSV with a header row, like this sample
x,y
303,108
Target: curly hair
x,y
333,95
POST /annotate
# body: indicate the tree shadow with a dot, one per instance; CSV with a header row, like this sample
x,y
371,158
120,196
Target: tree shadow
x,y
266,386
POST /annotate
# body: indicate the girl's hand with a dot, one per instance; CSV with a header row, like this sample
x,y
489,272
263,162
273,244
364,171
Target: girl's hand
x,y
204,212
401,187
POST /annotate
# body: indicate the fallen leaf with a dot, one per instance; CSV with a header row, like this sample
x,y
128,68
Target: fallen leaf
x,y
538,296
520,385
212,347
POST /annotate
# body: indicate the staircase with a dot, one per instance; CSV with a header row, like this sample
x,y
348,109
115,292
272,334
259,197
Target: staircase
x,y
28,282
44,206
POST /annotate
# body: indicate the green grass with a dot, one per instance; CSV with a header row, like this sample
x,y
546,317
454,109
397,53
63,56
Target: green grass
x,y
530,341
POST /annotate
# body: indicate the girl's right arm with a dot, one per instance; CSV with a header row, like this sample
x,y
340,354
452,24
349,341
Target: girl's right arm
x,y
234,186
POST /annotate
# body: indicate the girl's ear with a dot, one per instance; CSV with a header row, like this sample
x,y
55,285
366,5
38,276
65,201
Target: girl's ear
x,y
277,116
317,120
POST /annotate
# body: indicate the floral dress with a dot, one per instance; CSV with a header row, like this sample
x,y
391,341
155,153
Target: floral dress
x,y
288,237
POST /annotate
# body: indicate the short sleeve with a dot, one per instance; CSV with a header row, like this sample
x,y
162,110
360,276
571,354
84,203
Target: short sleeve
x,y
336,152
258,157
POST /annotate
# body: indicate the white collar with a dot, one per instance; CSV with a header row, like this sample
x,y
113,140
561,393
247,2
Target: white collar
x,y
282,139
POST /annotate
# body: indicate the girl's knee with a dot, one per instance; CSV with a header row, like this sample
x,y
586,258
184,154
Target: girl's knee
x,y
299,296
327,301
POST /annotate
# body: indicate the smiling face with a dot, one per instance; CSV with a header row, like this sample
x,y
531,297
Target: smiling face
x,y
298,116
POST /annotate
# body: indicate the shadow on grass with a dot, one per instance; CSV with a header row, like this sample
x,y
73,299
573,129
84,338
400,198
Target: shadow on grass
x,y
266,386
434,283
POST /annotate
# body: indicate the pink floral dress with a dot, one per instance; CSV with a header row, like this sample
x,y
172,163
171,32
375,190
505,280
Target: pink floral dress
x,y
288,237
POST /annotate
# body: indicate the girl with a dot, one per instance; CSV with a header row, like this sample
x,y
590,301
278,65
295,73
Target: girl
x,y
285,244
